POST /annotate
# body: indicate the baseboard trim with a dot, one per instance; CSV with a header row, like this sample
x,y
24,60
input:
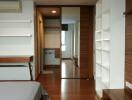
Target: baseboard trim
x,y
76,78
51,66
66,58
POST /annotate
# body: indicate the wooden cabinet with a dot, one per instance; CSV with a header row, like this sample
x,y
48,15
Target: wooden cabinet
x,y
116,94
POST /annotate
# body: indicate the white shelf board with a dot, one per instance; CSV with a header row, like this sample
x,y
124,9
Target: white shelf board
x,y
98,31
105,66
15,35
106,39
99,49
98,40
98,63
16,21
105,50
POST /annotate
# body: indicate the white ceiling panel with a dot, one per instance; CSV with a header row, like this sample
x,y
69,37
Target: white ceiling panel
x,y
70,15
65,2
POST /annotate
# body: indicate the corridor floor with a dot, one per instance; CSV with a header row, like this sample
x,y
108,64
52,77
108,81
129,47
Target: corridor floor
x,y
67,89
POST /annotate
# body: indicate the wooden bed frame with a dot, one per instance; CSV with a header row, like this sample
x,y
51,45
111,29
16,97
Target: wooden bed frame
x,y
19,59
22,59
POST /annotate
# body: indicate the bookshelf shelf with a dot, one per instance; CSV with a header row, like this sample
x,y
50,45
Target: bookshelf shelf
x,y
98,40
16,35
99,31
16,21
105,50
106,39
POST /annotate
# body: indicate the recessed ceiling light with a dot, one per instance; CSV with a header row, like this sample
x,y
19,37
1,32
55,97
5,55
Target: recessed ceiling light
x,y
53,11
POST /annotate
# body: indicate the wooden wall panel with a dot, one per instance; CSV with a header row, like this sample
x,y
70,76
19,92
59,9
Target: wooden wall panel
x,y
57,53
128,42
39,43
86,41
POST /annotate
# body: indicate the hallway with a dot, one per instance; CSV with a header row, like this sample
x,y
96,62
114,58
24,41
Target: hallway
x,y
67,89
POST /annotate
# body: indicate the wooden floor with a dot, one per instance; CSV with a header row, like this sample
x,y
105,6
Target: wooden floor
x,y
69,70
67,89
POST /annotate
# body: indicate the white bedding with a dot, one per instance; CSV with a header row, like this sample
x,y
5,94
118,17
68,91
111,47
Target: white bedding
x,y
20,91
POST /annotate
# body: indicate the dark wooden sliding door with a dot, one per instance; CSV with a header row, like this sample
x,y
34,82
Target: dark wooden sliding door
x,y
86,41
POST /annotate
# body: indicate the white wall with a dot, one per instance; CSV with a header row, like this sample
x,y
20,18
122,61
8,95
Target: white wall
x,y
52,35
70,15
17,45
117,43
52,39
17,37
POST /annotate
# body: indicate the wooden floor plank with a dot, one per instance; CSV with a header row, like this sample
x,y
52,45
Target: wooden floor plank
x,y
67,89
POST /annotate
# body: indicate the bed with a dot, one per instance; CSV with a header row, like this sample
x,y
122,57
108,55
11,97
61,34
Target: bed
x,y
21,91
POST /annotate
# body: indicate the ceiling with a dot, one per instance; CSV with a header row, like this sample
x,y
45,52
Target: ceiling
x,y
65,2
70,15
47,11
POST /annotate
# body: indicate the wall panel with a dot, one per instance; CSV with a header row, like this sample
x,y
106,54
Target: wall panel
x,y
86,41
128,51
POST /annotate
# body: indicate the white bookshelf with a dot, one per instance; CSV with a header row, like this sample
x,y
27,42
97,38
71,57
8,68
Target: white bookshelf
x,y
109,73
98,70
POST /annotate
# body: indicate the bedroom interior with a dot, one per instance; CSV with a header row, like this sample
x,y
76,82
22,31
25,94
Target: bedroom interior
x,y
31,56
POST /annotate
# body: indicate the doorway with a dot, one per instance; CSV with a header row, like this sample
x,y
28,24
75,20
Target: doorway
x,y
72,43
48,42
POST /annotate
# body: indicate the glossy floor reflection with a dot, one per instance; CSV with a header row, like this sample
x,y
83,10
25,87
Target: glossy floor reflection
x,y
67,89
69,70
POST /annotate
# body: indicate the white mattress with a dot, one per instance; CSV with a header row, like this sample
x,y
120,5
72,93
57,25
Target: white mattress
x,y
20,91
